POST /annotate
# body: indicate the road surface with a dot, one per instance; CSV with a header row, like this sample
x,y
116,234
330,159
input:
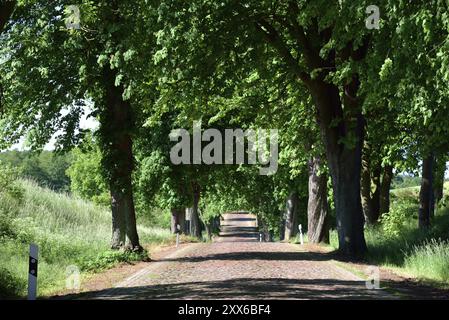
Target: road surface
x,y
237,266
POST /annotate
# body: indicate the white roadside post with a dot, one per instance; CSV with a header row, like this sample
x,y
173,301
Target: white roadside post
x,y
32,272
178,229
301,240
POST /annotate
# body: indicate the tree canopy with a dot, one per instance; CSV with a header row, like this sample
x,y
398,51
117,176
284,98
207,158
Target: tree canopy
x,y
357,92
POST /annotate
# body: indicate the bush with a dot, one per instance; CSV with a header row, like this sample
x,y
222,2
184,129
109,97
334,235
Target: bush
x,y
10,285
394,222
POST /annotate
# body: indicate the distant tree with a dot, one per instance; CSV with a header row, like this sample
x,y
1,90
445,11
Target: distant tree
x,y
86,179
46,168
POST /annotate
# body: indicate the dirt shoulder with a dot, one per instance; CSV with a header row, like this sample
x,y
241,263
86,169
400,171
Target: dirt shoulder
x,y
109,278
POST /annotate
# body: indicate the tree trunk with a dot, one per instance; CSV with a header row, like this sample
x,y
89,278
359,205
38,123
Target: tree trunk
x,y
375,198
365,186
216,225
291,219
370,176
317,206
212,226
341,127
195,227
384,201
438,185
267,234
426,192
118,219
116,123
177,218
282,223
344,161
208,227
188,220
132,237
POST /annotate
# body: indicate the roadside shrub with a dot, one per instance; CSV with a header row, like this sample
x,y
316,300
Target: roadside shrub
x,y
10,285
394,222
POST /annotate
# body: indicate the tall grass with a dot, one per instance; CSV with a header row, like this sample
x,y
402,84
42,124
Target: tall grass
x,y
69,231
429,260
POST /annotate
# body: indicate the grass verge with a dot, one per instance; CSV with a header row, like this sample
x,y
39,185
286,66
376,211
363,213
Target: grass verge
x,y
69,232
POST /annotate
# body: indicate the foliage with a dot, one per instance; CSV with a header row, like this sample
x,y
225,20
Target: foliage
x,y
86,179
394,221
11,196
250,64
10,285
405,181
46,168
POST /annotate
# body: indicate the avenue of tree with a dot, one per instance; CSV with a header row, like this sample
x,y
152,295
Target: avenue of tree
x,y
353,105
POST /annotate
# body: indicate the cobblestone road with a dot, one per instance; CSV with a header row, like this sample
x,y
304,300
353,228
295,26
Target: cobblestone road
x,y
237,266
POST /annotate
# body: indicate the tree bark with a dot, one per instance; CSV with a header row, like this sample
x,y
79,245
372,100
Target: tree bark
x,y
317,206
212,226
116,126
188,220
438,185
118,219
344,161
177,218
370,176
375,198
116,123
282,223
132,237
426,192
365,186
195,226
291,217
384,202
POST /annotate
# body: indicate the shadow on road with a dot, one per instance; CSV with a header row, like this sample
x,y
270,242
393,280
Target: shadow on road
x,y
256,255
241,288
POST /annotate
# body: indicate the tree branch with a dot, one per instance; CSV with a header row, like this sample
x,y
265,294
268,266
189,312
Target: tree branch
x,y
311,54
273,38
